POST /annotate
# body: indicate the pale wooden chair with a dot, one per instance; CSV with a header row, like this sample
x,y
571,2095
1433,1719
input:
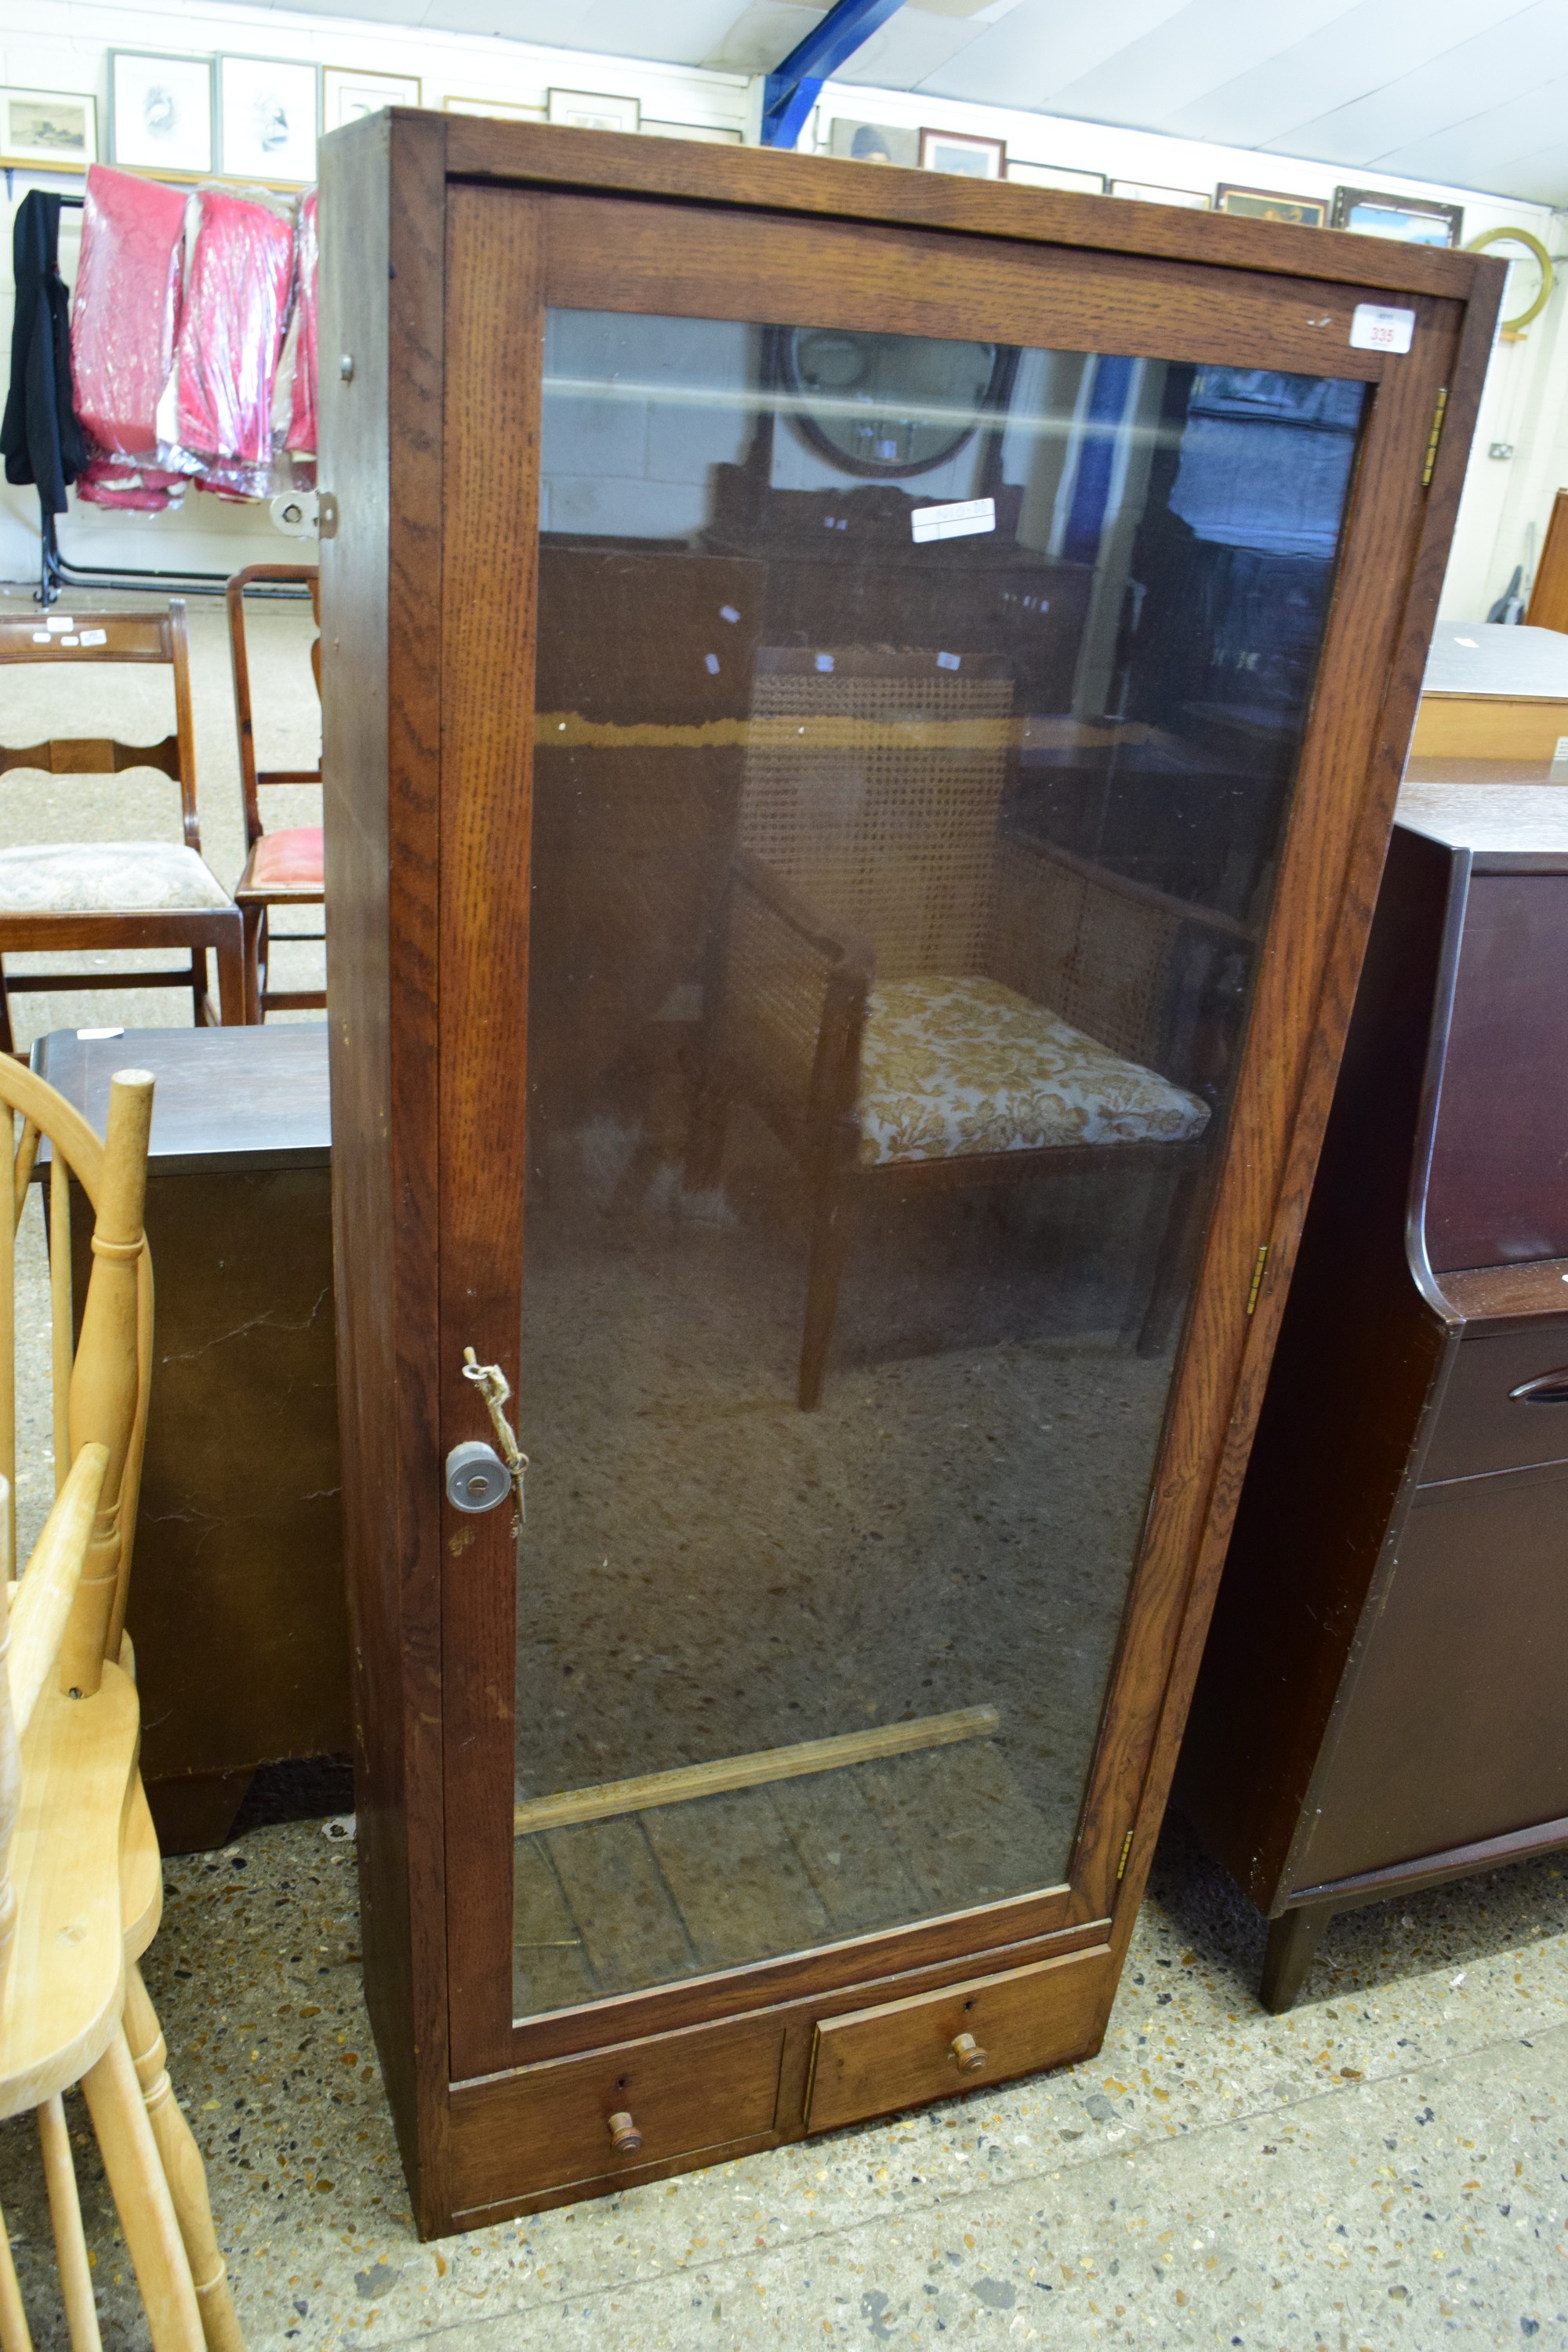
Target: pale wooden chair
x,y
283,868
88,896
917,994
85,1866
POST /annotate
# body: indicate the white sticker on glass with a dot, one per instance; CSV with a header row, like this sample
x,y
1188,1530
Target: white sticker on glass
x,y
95,637
59,622
947,661
961,520
1375,328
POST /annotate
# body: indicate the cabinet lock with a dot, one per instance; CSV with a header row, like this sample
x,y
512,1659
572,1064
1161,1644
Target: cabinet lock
x,y
476,1477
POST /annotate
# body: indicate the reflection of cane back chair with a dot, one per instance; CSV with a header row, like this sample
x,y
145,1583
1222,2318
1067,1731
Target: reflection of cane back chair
x,y
913,996
283,868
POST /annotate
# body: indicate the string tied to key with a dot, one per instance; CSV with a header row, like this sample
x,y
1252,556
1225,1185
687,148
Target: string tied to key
x,y
495,1388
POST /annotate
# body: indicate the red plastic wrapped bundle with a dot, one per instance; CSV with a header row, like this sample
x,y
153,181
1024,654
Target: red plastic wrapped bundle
x,y
300,358
124,319
226,364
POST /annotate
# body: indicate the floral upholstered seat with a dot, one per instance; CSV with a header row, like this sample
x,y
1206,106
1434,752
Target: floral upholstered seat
x,y
107,877
952,1066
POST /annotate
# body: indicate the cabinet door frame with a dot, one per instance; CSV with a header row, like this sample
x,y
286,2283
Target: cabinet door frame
x,y
428,836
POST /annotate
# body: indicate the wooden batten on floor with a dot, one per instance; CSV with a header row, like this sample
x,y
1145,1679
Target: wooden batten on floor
x,y
726,1772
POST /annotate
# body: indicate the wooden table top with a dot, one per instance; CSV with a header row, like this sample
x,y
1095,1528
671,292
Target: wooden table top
x,y
224,1098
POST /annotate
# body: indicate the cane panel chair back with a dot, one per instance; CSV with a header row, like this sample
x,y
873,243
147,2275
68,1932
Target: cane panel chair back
x,y
873,785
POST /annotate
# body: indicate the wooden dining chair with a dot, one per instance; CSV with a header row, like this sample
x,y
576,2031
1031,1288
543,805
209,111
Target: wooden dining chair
x,y
283,868
916,994
80,1753
94,896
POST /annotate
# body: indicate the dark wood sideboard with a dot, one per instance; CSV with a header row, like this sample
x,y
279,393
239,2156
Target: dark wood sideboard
x,y
1383,1702
237,1609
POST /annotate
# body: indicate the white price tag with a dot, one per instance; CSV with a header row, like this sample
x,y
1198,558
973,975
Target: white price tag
x,y
961,518
1375,328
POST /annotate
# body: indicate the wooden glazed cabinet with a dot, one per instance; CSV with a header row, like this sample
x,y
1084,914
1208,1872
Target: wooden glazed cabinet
x,y
1381,1705
723,1805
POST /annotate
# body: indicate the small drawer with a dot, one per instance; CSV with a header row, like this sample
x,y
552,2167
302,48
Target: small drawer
x,y
1506,1405
966,2035
549,2126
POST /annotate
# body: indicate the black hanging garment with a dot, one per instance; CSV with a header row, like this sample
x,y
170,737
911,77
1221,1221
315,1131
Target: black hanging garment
x,y
40,438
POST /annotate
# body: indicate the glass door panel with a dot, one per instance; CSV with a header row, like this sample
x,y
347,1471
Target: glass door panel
x,y
915,728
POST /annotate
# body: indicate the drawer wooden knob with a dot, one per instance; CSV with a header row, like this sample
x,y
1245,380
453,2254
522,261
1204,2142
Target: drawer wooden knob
x,y
625,2136
967,2054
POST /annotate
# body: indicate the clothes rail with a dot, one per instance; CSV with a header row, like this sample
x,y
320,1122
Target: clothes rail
x,y
58,571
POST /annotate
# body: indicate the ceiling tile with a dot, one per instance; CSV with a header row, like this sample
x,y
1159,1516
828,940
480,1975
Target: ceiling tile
x,y
1359,49
760,37
1150,80
1446,85
1044,46
1474,151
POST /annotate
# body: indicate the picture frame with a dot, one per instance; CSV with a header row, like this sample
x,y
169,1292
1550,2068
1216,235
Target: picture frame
x,y
710,134
348,94
269,113
1410,220
960,152
499,109
47,130
1268,203
1145,192
873,143
588,110
1056,175
160,116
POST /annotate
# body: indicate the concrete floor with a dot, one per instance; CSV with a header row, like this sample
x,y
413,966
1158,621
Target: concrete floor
x,y
1384,2167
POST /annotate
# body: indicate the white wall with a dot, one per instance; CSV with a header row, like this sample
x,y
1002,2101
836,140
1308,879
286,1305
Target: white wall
x,y
63,45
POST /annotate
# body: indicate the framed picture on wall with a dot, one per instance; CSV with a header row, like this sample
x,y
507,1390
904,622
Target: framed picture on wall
x,y
346,94
711,135
1142,191
588,110
1056,175
52,129
1265,204
955,150
873,143
499,108
268,116
1413,220
160,113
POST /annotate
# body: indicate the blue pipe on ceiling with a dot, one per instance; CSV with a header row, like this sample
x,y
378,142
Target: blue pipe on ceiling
x,y
792,89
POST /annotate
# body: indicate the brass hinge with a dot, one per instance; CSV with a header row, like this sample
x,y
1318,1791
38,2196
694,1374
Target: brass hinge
x,y
1259,1265
1436,435
1126,1850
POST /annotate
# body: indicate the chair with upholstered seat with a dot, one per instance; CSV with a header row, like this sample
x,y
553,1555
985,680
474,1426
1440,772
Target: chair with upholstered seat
x,y
283,868
96,896
917,994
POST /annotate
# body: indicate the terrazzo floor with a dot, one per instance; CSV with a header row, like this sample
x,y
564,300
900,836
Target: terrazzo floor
x,y
1384,2167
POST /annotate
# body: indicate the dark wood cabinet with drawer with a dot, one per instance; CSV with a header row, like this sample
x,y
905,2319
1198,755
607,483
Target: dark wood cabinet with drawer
x,y
834,1672
1384,1702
